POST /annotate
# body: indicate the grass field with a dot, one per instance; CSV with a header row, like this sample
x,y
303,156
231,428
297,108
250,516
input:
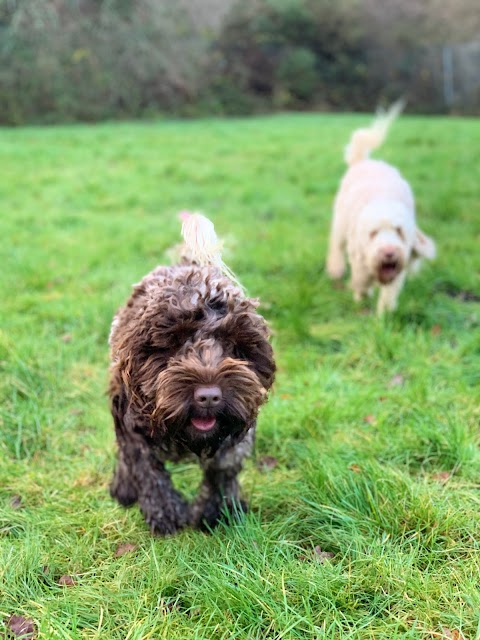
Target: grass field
x,y
365,520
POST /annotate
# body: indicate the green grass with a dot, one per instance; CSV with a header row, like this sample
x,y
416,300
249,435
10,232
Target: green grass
x,y
374,423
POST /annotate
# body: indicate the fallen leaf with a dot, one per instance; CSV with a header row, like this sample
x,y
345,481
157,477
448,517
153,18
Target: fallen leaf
x,y
396,381
321,556
66,581
443,476
370,419
21,627
16,502
54,282
266,463
126,547
85,480
355,468
317,554
452,634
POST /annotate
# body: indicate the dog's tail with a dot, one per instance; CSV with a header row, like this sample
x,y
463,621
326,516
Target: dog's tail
x,y
202,245
365,140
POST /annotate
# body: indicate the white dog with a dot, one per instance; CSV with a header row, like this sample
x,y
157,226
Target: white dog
x,y
374,221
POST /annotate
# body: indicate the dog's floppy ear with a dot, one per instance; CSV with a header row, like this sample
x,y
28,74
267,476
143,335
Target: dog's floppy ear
x,y
259,353
423,246
118,407
249,334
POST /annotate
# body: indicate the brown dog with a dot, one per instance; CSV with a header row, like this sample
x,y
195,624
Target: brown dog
x,y
191,365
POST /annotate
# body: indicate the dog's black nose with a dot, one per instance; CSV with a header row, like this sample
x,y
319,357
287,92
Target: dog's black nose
x,y
210,396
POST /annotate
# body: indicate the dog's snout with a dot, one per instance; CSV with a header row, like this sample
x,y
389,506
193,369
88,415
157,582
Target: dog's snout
x,y
389,253
208,396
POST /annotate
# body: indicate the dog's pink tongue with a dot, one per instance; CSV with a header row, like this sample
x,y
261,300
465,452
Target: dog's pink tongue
x,y
203,424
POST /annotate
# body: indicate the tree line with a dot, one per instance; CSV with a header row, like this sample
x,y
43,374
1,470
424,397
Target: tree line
x,y
88,60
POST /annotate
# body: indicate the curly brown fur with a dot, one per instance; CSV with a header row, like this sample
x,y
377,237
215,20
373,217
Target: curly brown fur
x,y
190,366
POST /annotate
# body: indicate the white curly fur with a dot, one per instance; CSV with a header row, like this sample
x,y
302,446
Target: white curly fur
x,y
201,244
374,221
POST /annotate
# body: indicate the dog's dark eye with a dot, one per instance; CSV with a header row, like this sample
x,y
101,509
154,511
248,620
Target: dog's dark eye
x,y
241,352
399,232
373,234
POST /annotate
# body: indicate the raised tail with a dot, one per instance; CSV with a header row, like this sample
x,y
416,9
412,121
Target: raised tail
x,y
202,245
365,140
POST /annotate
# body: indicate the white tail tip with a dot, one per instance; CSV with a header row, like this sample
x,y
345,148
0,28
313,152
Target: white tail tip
x,y
363,141
202,246
201,242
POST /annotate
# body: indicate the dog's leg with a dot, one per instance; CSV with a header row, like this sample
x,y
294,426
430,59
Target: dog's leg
x,y
360,288
141,476
122,487
218,496
163,506
361,282
336,249
387,300
219,493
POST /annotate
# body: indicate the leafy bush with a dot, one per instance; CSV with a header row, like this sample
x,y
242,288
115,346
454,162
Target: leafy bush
x,y
298,74
63,60
90,60
299,49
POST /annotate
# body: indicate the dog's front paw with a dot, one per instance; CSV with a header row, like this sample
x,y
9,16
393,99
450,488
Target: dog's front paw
x,y
167,521
336,266
162,526
123,489
217,510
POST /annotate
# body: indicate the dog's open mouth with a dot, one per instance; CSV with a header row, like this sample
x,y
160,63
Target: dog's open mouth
x,y
388,270
204,424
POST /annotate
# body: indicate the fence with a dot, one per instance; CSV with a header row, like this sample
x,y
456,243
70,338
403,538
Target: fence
x,y
460,76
